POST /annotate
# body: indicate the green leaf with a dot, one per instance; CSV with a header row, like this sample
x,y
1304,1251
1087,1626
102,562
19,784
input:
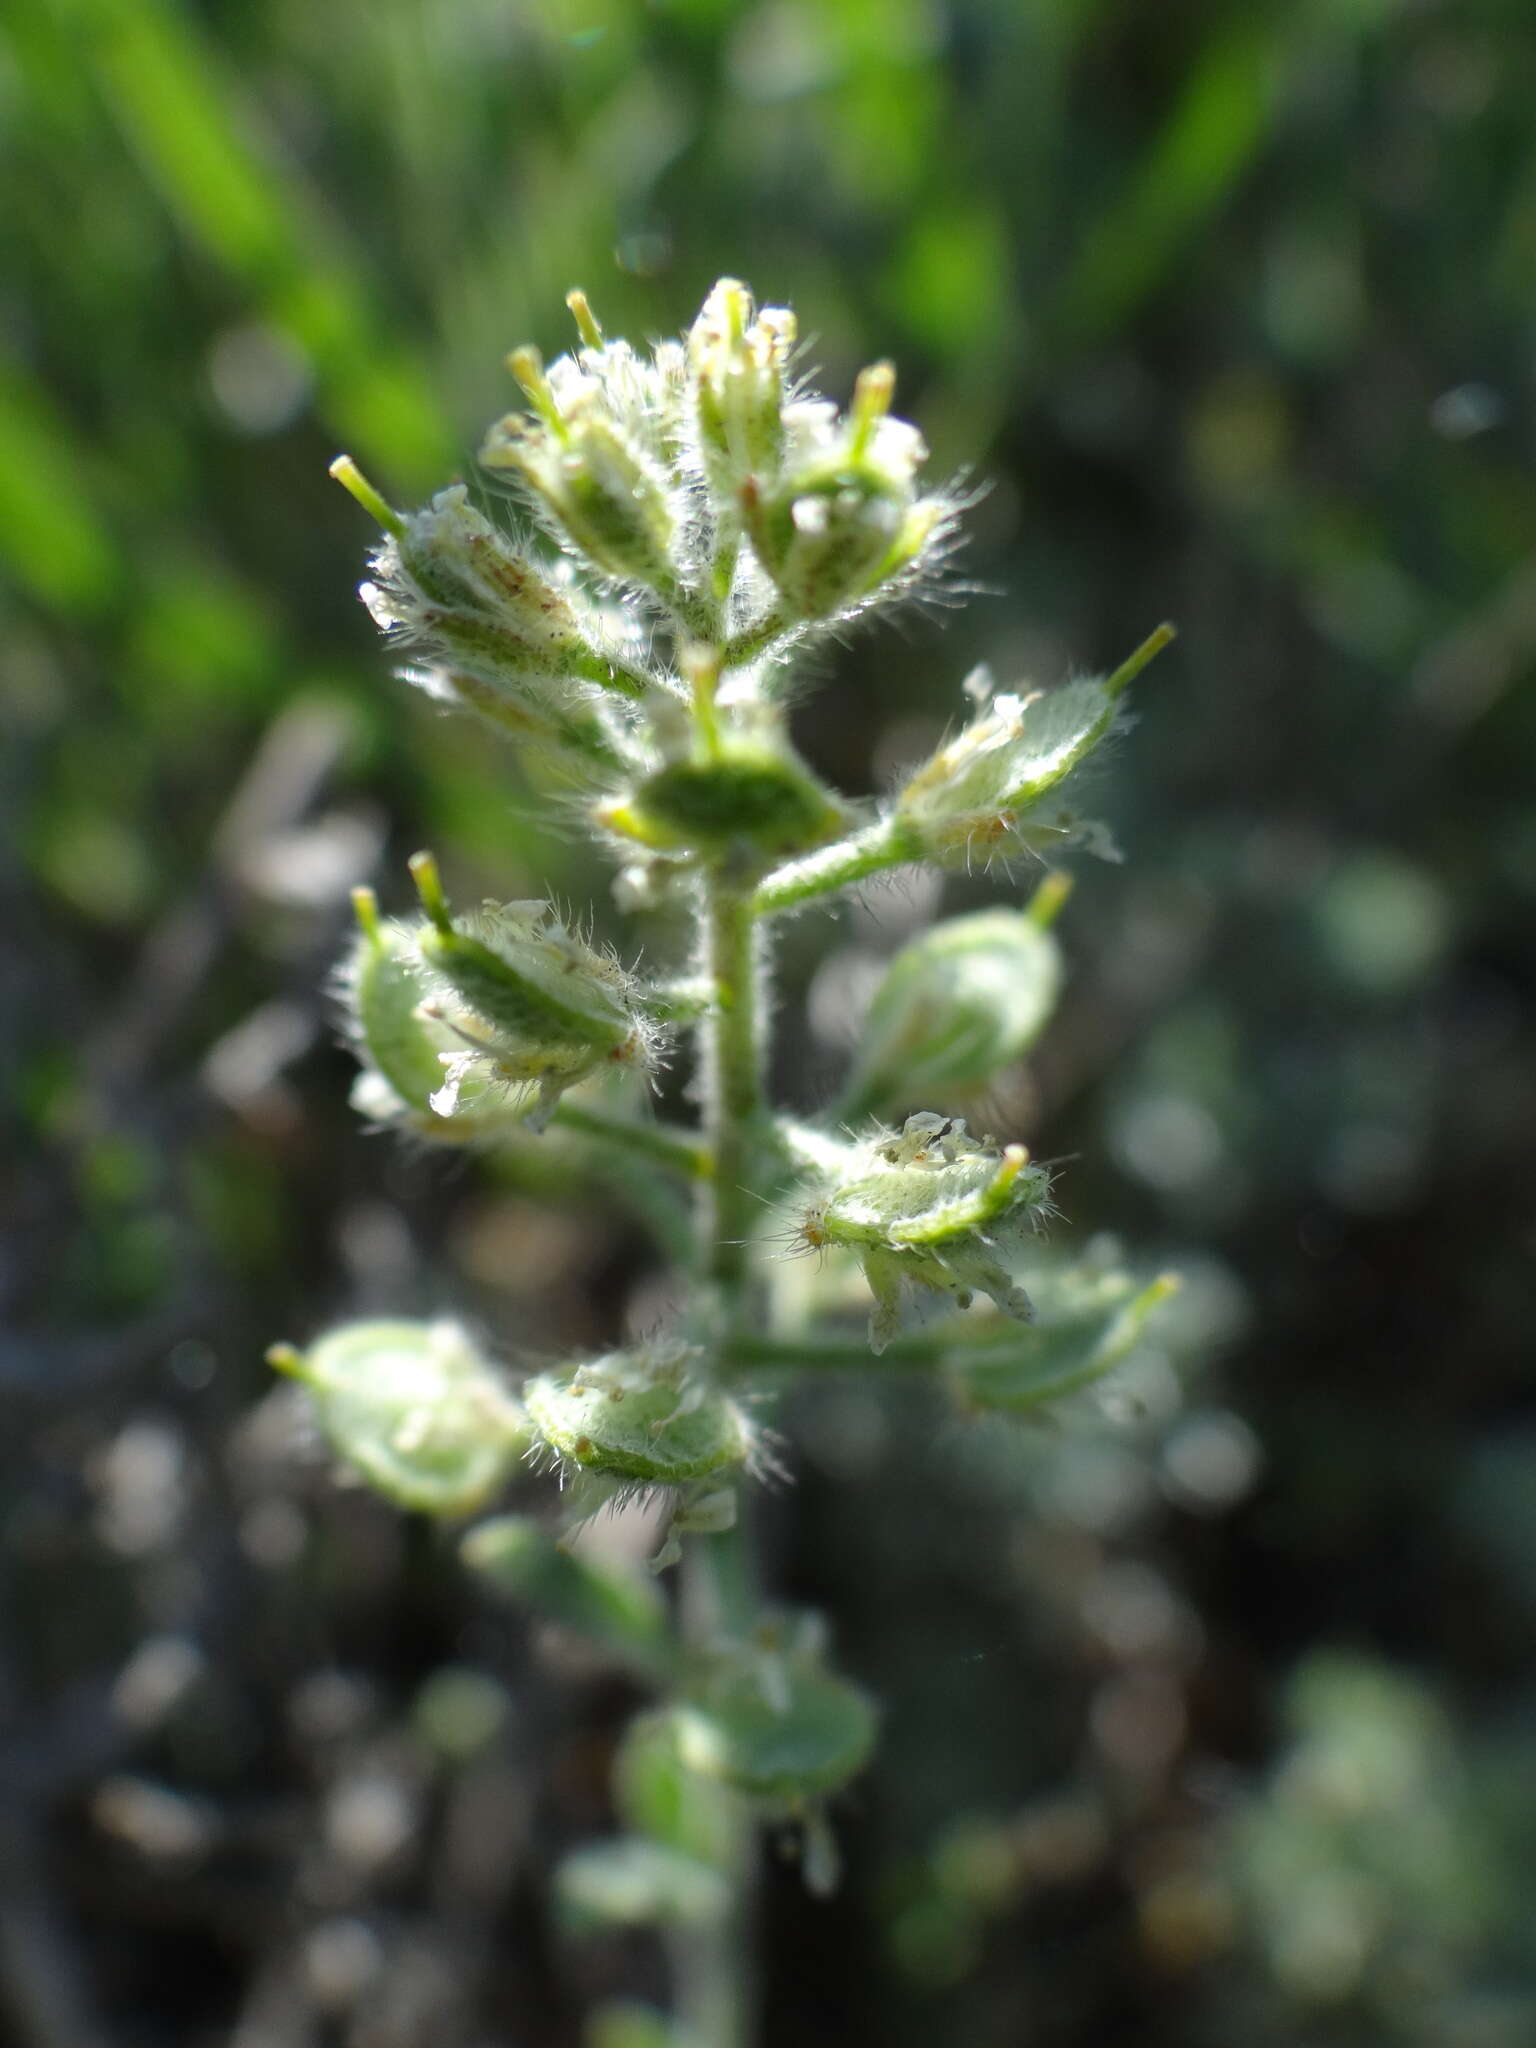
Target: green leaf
x,y
655,1794
767,1717
1087,1321
616,1607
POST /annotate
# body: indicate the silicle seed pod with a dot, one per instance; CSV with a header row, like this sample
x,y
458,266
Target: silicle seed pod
x,y
528,1003
387,990
982,792
933,1215
956,1006
493,632
646,1418
750,792
415,1409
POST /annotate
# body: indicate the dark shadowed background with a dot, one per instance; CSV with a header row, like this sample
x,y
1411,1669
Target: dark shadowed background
x,y
1209,1716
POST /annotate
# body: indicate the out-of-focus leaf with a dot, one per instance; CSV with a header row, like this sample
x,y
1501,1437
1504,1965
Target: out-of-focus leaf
x,y
234,194
656,1795
1207,142
619,1608
1087,1322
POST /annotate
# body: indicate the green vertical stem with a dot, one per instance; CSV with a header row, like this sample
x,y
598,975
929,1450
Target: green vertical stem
x,y
716,1979
716,1964
729,1047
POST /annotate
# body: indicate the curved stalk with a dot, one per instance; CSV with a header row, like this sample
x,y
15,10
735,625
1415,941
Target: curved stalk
x,y
660,1143
889,843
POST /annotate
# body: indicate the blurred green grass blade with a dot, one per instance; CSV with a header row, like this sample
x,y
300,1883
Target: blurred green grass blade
x,y
180,121
51,542
251,211
1208,140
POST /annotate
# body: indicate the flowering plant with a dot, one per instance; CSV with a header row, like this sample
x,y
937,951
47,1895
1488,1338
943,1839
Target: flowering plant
x,y
694,520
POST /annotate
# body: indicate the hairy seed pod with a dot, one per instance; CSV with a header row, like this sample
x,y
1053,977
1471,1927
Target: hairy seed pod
x,y
497,633
415,1409
931,1213
387,988
956,1006
931,1183
640,1417
982,790
750,792
528,1002
386,985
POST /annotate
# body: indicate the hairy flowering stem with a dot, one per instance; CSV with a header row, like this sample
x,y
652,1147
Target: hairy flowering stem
x,y
714,1963
731,1063
886,844
755,640
690,518
659,1143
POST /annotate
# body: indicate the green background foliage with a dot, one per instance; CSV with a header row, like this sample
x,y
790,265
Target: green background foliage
x,y
1230,307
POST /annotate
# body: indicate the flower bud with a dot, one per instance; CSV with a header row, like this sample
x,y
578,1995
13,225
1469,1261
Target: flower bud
x,y
579,452
736,360
643,1418
750,791
415,1409
766,1716
843,517
1088,1319
956,1006
526,1000
929,1210
981,790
